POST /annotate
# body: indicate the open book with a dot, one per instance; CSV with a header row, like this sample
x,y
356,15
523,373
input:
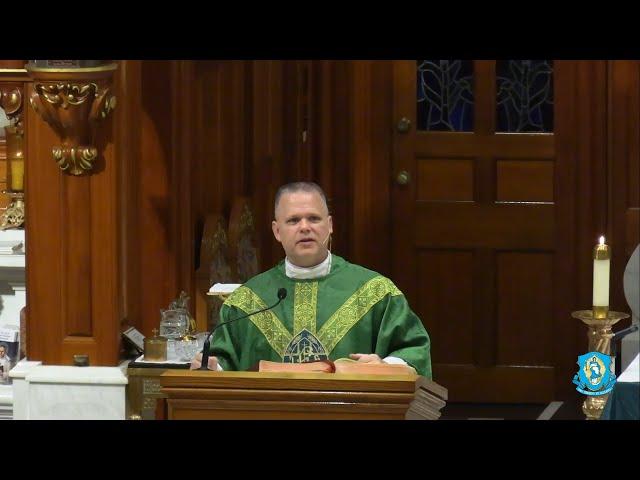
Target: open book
x,y
341,365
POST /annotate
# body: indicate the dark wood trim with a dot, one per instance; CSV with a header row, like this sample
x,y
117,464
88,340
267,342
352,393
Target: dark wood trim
x,y
498,384
44,267
484,307
623,172
580,192
182,156
403,145
340,176
371,157
128,150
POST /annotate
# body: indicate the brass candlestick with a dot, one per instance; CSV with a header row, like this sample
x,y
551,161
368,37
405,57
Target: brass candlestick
x,y
599,336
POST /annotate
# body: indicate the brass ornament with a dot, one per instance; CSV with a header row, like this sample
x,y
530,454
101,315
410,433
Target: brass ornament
x,y
65,94
75,161
13,216
11,100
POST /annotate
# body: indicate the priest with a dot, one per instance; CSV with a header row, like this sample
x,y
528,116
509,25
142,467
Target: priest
x,y
333,308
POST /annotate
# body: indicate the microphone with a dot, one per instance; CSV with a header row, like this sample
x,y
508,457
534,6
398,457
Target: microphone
x,y
282,294
619,336
623,333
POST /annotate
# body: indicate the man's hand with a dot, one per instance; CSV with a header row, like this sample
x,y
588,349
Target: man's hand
x,y
197,362
366,357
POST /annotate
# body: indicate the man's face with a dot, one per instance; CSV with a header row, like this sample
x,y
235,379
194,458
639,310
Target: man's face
x,y
2,352
303,226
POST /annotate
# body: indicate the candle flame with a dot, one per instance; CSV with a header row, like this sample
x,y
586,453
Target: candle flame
x,y
602,240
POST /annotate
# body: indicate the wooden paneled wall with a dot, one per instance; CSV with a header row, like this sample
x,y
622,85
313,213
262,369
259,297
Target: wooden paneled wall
x,y
245,128
264,123
184,140
187,137
248,121
154,144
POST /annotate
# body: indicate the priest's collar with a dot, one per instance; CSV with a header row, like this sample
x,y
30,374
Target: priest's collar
x,y
306,273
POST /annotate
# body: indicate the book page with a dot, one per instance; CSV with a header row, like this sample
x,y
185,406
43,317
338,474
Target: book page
x,y
347,365
310,367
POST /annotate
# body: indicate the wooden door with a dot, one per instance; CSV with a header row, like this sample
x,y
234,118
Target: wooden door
x,y
474,228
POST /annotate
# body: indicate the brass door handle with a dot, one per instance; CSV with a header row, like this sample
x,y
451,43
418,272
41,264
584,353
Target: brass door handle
x,y
403,125
403,177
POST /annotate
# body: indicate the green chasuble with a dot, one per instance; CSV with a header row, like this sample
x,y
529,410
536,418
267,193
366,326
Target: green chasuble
x,y
350,310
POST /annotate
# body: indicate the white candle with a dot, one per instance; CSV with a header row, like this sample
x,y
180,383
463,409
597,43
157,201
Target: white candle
x,y
601,263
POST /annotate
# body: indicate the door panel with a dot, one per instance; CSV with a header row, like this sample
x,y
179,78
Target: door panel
x,y
474,239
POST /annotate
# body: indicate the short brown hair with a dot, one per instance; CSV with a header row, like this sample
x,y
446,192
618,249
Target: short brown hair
x,y
299,187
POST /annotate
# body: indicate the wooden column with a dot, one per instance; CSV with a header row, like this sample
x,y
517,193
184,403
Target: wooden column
x,y
72,232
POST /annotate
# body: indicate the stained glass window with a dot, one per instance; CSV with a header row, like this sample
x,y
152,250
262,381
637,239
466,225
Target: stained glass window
x,y
524,91
445,95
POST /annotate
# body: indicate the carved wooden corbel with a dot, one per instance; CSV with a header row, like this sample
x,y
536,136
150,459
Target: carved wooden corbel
x,y
72,101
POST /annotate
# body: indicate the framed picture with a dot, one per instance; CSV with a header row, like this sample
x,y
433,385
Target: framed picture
x,y
8,357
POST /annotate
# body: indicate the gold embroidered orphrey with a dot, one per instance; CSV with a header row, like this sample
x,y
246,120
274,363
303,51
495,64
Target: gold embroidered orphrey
x,y
305,344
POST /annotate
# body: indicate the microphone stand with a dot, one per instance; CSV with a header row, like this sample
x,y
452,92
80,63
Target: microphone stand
x,y
282,293
619,336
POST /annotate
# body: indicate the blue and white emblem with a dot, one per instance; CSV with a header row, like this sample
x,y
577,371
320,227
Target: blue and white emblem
x,y
595,374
